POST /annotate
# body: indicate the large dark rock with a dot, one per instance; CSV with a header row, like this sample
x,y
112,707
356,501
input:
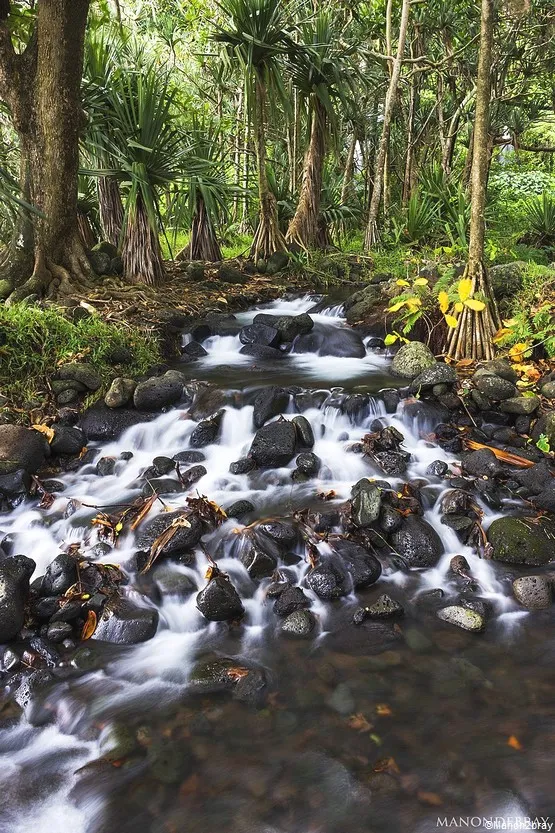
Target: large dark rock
x,y
291,326
274,444
412,359
261,352
300,624
229,274
268,403
437,374
303,429
366,504
22,448
482,463
365,569
494,387
291,599
105,424
521,541
125,623
184,539
362,303
219,600
327,341
83,373
14,486
67,440
158,392
417,542
260,334
15,572
60,575
207,431
329,579
258,561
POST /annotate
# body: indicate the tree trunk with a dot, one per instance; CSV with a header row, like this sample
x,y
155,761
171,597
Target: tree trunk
x,y
111,209
473,336
204,243
304,227
141,253
371,237
41,87
349,171
268,237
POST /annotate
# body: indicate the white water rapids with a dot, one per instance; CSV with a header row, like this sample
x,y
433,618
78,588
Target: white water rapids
x,y
157,671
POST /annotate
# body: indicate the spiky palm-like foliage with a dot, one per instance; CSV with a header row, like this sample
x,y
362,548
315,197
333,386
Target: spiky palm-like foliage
x,y
320,71
255,36
147,147
206,192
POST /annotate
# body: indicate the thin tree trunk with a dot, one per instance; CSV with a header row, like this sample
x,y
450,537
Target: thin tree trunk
x,y
204,243
141,253
42,88
268,238
372,226
349,171
473,336
110,209
304,227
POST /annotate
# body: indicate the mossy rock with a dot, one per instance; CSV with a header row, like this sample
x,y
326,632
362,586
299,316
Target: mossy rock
x,y
507,278
522,541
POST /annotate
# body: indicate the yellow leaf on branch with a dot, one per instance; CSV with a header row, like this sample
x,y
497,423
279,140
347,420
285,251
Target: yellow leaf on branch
x,y
464,288
451,321
477,306
443,299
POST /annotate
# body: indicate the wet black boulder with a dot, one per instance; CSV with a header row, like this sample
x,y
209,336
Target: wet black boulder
x,y
260,334
15,572
207,431
268,403
329,579
274,444
364,567
262,352
219,600
22,448
125,623
60,575
327,341
158,392
102,423
291,599
184,539
417,542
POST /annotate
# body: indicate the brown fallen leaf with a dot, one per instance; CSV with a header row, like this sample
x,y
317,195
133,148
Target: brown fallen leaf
x,y
504,456
237,673
90,625
44,429
383,710
164,539
386,765
359,723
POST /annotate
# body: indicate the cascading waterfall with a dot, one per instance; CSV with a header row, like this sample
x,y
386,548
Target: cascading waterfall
x,y
72,727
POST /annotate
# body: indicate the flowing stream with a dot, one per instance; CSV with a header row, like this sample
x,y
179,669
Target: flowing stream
x,y
382,728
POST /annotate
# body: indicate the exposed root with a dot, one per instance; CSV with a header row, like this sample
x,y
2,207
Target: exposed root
x,y
473,336
268,238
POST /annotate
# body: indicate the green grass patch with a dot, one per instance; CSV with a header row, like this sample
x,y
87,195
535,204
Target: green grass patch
x,y
35,342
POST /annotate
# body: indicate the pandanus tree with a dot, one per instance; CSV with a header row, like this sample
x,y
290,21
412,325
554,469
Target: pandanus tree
x,y
40,84
205,196
143,138
102,63
321,72
255,38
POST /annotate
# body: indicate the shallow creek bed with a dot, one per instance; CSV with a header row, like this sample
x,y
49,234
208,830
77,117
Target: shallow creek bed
x,y
293,602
